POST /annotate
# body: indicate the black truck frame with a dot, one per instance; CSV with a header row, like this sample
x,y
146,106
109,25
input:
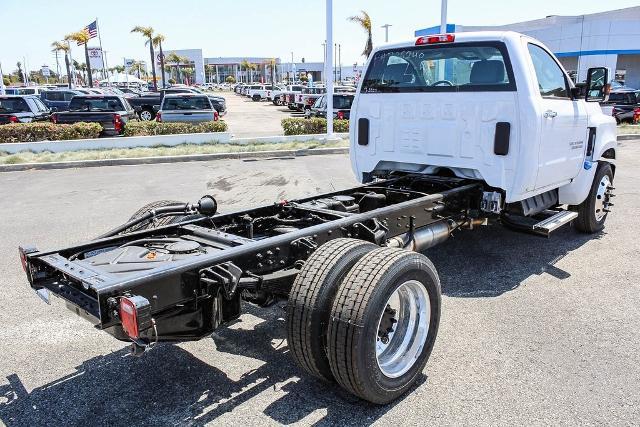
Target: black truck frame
x,y
254,254
176,272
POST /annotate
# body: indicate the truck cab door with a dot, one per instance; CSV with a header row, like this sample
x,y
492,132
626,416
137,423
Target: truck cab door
x,y
563,122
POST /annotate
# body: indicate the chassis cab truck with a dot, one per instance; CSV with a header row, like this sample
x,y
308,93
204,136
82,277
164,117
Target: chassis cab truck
x,y
448,132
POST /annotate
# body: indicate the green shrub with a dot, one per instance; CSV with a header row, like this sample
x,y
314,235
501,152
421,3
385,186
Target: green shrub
x,y
156,128
44,131
314,125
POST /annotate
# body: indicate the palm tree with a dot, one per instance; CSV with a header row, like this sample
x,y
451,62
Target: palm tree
x,y
138,67
82,67
64,47
365,22
175,59
82,37
148,33
188,69
244,65
272,63
20,73
157,42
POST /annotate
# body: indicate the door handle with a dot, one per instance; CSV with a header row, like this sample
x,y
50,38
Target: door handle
x,y
549,114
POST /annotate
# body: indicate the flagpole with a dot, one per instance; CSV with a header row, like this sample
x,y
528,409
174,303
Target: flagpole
x,y
101,52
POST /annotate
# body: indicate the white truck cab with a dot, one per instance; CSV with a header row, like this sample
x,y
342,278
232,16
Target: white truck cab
x,y
490,106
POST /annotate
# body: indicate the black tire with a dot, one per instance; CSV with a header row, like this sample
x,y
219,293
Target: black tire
x,y
256,98
357,313
159,221
311,300
588,221
146,115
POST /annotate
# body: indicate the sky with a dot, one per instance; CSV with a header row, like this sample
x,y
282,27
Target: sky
x,y
262,28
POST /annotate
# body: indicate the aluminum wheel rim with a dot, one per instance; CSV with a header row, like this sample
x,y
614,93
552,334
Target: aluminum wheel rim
x,y
404,344
602,198
146,116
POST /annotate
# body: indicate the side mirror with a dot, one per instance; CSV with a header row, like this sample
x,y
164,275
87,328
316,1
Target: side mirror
x,y
598,87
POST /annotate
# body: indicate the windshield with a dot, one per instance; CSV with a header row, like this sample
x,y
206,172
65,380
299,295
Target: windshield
x,y
342,102
81,103
462,67
187,103
13,105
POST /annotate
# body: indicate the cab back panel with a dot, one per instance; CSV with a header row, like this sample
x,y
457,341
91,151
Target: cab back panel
x,y
414,131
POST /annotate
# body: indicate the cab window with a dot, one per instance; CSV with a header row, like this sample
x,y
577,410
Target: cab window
x,y
552,82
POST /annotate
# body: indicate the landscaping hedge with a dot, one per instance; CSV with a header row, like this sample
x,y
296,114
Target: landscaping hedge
x,y
44,131
314,125
159,128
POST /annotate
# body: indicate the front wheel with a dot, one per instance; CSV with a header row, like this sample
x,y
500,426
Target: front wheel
x,y
592,213
146,115
384,323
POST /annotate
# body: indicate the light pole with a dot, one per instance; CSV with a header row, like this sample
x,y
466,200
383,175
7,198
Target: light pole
x,y
292,77
443,30
443,17
386,32
329,66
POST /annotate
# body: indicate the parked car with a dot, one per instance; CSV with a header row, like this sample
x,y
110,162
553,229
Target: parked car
x,y
273,94
288,97
622,104
29,90
308,97
190,108
22,109
148,105
131,91
341,106
110,111
58,100
258,92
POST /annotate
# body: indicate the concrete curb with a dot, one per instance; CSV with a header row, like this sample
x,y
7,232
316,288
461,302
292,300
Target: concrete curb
x,y
153,141
266,155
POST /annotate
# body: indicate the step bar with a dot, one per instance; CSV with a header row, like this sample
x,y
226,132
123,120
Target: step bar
x,y
549,225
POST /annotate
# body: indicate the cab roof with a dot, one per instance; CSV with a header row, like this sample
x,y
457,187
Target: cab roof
x,y
471,36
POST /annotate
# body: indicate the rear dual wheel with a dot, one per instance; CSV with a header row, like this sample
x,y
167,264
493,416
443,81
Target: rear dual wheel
x,y
381,327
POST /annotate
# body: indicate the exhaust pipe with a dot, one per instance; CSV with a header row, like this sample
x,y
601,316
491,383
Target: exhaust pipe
x,y
422,238
430,235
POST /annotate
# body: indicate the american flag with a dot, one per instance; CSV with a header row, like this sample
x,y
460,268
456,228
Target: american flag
x,y
91,30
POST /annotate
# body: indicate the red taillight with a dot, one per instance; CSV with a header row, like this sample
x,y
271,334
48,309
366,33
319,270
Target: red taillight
x,y
436,38
23,259
13,119
216,116
129,317
158,116
135,315
310,101
117,123
340,115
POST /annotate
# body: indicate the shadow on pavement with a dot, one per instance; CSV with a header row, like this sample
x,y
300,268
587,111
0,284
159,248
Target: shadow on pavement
x,y
493,260
171,386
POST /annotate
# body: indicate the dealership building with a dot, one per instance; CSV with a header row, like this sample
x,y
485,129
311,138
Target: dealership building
x,y
218,69
610,39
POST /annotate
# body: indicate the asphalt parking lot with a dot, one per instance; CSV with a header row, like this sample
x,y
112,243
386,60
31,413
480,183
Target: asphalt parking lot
x,y
533,331
247,118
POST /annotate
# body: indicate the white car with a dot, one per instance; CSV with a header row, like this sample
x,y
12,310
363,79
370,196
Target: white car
x,y
273,94
257,92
